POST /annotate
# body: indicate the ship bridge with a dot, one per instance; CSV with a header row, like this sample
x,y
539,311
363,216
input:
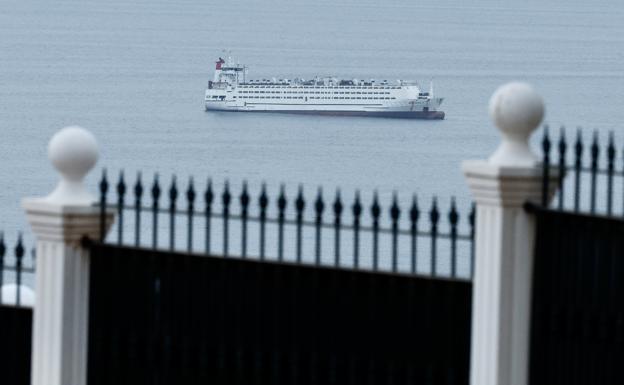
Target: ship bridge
x,y
226,72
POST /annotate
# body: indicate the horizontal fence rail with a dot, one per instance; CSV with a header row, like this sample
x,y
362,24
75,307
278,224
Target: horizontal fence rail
x,y
591,176
16,269
377,238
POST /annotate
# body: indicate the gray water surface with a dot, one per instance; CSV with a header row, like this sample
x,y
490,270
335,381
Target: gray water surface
x,y
134,73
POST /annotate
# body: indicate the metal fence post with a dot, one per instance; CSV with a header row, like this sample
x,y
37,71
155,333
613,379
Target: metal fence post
x,y
505,239
59,221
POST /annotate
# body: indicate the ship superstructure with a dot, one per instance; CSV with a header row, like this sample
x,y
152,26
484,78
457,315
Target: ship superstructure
x,y
230,91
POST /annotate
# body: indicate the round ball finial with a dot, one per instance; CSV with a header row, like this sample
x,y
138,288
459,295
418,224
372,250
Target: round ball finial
x,y
73,152
516,109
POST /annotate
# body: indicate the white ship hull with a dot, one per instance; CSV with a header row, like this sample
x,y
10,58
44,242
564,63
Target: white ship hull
x,y
406,109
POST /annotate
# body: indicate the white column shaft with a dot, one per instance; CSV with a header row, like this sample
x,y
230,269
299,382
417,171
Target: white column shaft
x,y
502,296
60,322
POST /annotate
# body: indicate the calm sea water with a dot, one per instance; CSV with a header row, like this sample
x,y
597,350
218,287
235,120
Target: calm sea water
x,y
134,74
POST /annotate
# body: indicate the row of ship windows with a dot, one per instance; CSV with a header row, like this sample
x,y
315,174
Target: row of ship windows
x,y
311,97
312,92
334,87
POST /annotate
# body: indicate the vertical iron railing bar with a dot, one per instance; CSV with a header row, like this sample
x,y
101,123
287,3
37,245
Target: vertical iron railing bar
x,y
173,196
471,221
121,192
545,167
337,222
356,209
244,202
562,166
33,261
299,206
453,217
208,198
2,253
414,215
19,255
103,191
138,193
155,198
263,202
595,152
319,206
226,198
281,207
375,213
190,198
395,213
578,152
434,216
610,171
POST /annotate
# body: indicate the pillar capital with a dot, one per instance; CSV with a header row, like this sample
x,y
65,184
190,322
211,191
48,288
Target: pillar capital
x,y
505,186
68,224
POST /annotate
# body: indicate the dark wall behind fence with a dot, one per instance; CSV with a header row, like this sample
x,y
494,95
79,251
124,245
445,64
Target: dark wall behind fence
x,y
15,345
578,300
169,318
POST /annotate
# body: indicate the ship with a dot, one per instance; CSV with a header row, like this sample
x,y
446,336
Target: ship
x,y
229,90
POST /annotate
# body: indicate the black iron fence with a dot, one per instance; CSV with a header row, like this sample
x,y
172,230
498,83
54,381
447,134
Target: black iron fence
x,y
591,176
15,268
410,240
577,326
242,288
15,320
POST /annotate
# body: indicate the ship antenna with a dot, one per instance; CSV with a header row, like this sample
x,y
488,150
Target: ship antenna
x,y
431,89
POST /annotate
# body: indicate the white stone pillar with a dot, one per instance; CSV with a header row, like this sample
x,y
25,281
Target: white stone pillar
x,y
59,221
504,240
